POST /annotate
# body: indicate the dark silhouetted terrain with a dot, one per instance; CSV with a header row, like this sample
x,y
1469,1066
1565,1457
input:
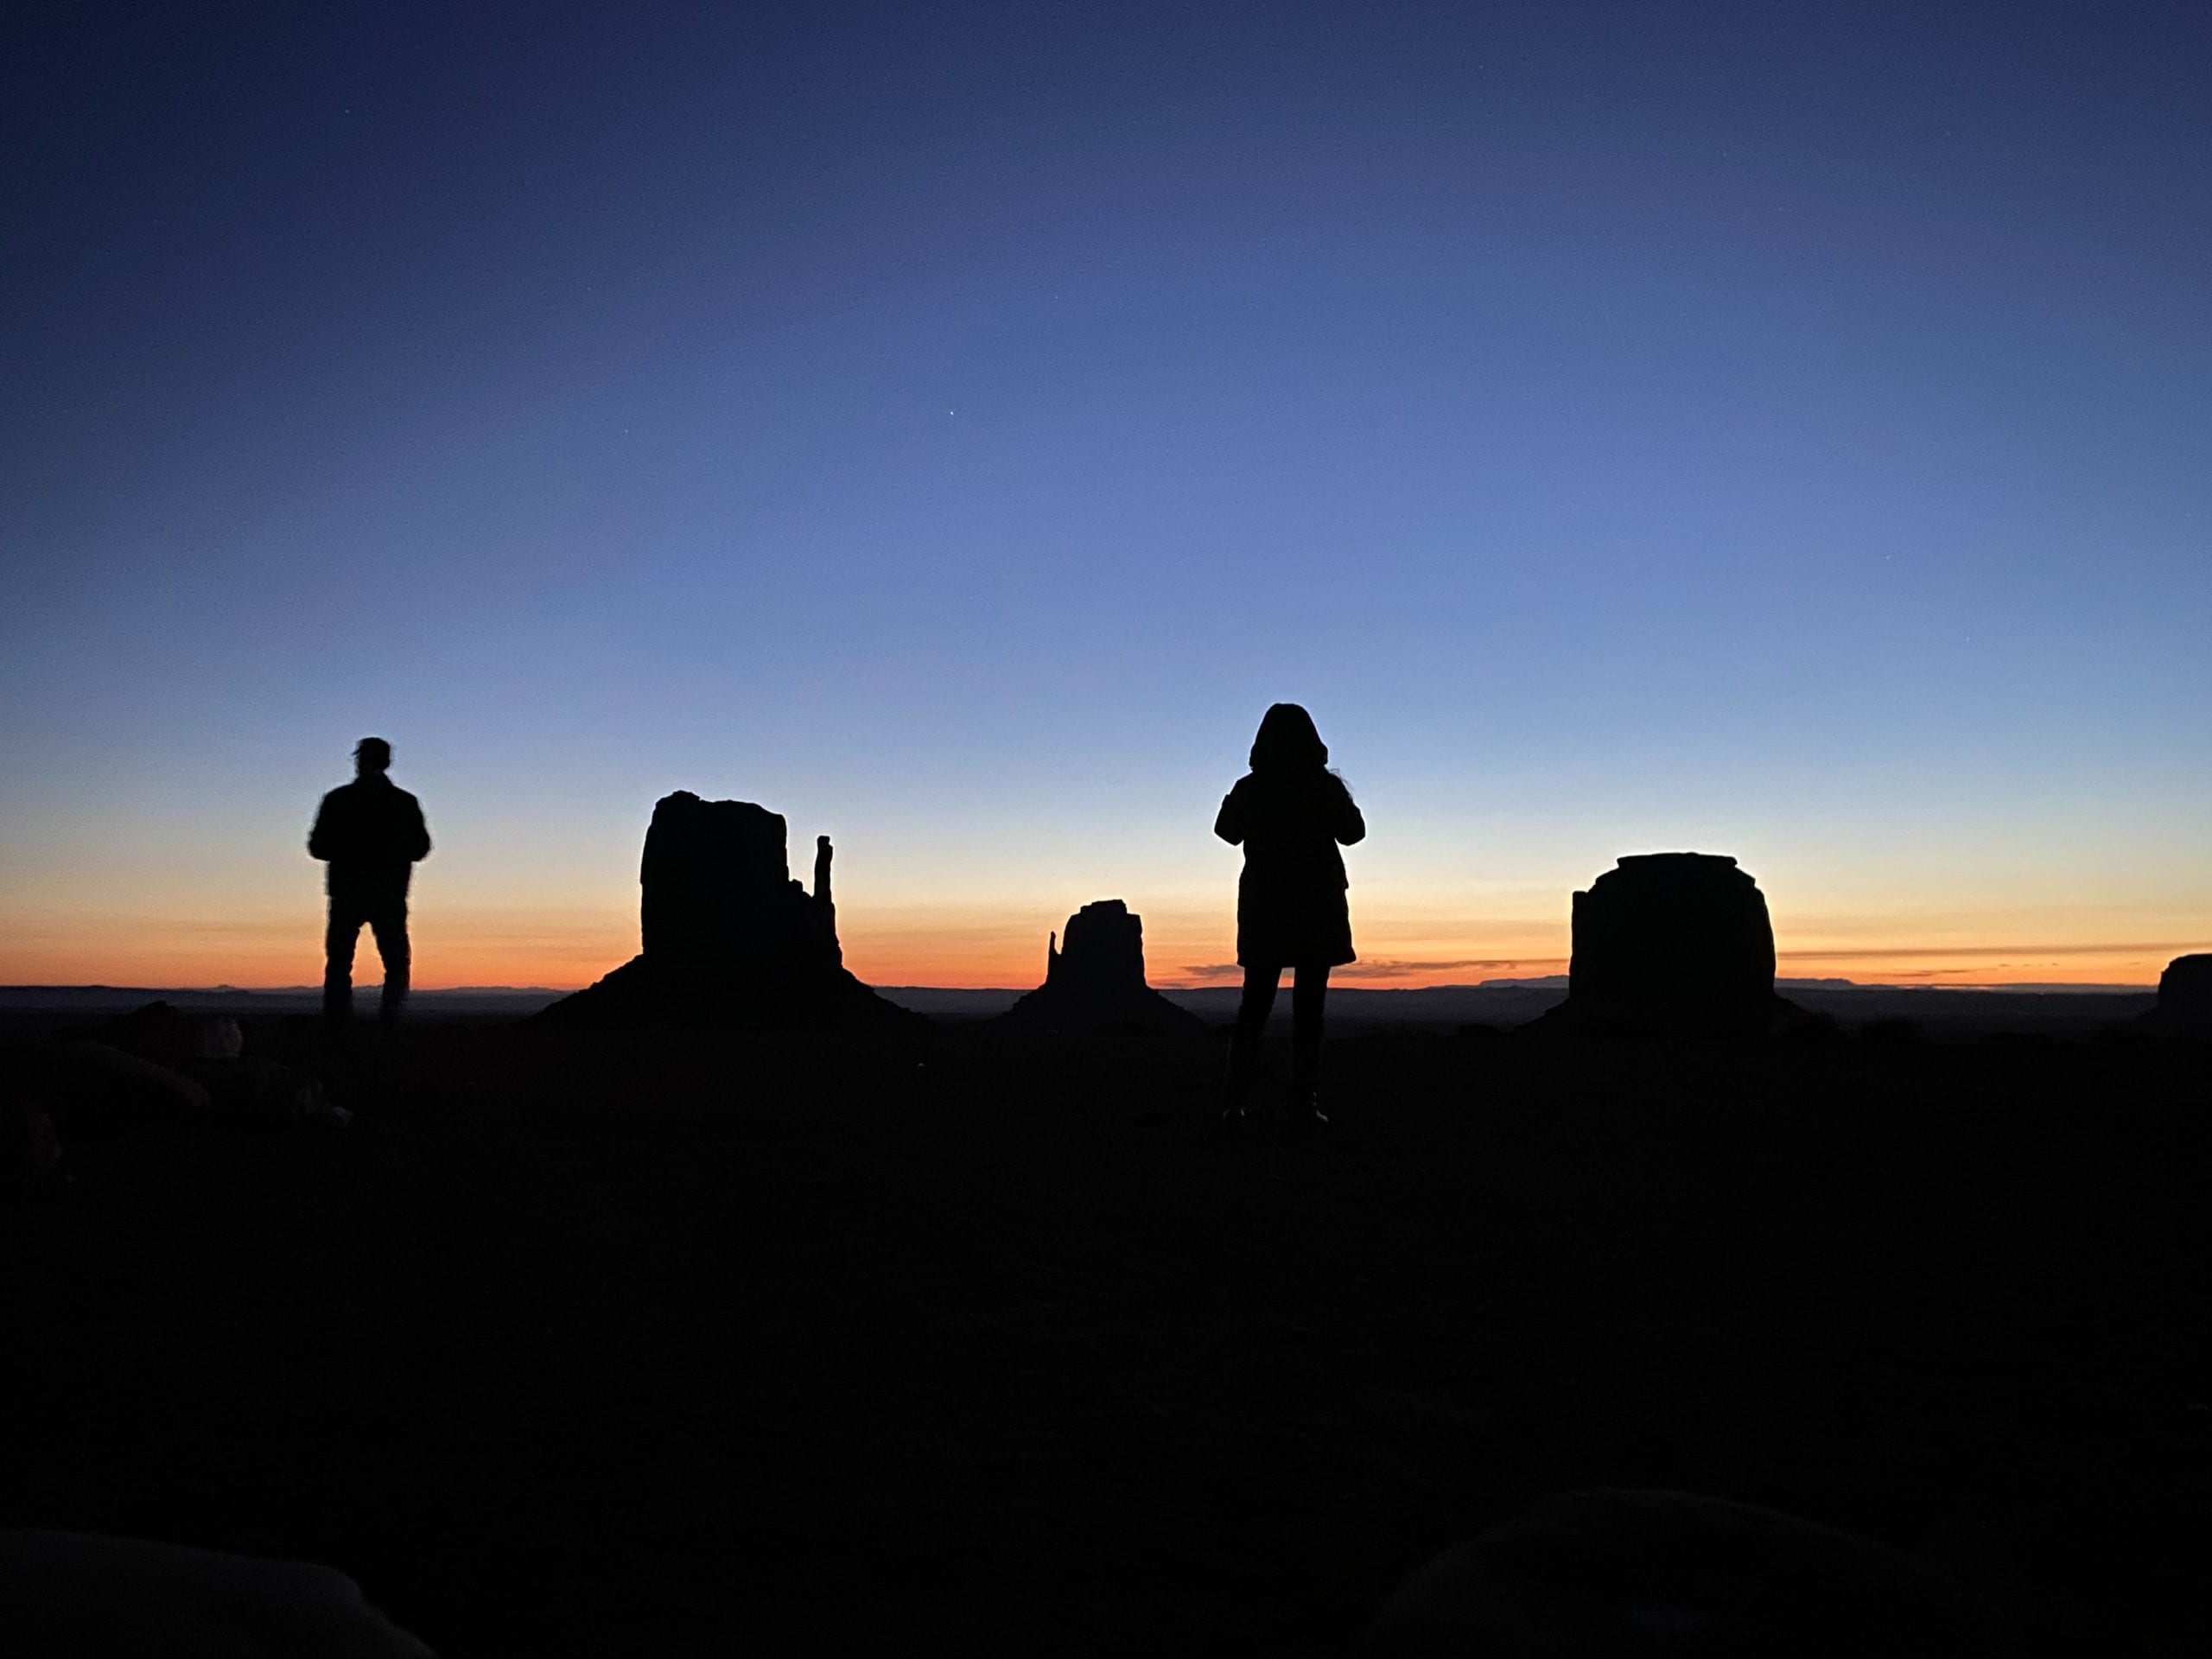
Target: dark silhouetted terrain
x,y
575,1340
1940,1012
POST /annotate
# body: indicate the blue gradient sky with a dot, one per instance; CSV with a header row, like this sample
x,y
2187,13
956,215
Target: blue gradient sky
x,y
1769,430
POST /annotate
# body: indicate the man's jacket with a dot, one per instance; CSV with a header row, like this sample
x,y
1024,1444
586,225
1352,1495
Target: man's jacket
x,y
370,832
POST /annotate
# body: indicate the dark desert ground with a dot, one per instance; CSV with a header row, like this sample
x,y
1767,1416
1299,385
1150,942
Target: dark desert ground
x,y
576,1341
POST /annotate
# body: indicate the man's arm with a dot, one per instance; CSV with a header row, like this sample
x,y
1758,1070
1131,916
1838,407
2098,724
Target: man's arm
x,y
323,833
418,833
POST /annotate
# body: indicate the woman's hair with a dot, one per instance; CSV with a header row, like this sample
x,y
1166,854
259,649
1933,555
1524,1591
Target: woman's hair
x,y
1287,740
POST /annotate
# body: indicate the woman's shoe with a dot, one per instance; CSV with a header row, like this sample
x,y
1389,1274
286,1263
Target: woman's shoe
x,y
1236,1086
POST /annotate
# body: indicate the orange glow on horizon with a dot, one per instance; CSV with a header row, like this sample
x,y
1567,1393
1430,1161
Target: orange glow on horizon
x,y
949,949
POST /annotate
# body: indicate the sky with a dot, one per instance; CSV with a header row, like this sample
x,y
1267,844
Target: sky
x,y
1776,430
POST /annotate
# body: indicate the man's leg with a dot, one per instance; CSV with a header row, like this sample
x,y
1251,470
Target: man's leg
x,y
1309,992
1259,1000
345,926
389,922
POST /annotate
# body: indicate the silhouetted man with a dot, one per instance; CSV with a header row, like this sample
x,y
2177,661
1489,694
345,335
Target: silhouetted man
x,y
370,833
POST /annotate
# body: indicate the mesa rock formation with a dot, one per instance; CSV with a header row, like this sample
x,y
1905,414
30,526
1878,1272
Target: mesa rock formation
x,y
1096,983
729,938
2186,997
1671,944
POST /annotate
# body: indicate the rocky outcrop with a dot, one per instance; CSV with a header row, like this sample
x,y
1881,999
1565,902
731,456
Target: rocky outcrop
x,y
1096,981
1637,1572
1672,944
80,1593
157,1062
729,938
2186,997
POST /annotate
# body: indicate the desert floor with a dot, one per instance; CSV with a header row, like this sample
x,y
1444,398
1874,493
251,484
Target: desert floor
x,y
568,1345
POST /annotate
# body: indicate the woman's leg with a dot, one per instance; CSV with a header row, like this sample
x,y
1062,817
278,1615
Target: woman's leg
x,y
1245,1044
1309,993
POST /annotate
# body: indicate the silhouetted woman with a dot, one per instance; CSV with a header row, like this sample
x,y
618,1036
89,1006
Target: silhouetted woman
x,y
1288,813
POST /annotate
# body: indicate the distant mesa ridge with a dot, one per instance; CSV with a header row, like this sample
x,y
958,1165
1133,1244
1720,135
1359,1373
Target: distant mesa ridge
x,y
1096,982
729,938
1672,944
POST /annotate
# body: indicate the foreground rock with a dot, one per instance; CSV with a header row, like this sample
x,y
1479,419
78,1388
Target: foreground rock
x,y
1096,983
207,1054
729,940
100,1080
1672,944
69,1594
1636,1572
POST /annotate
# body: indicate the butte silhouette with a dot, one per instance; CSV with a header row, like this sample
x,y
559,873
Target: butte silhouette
x,y
1097,982
2184,1005
1671,945
729,940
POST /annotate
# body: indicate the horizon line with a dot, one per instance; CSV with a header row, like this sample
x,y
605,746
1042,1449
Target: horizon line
x,y
1539,982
